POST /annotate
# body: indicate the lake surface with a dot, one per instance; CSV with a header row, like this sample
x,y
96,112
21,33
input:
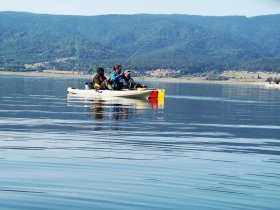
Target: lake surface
x,y
208,146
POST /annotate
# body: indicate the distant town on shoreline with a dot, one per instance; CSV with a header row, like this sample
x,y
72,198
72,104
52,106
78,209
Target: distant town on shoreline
x,y
258,77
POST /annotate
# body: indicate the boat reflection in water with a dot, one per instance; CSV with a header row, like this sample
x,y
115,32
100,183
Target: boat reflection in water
x,y
114,108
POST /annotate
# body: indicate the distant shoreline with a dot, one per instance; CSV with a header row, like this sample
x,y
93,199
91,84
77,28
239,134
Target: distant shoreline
x,y
238,77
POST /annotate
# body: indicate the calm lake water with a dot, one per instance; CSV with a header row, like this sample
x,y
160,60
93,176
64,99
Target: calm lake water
x,y
207,147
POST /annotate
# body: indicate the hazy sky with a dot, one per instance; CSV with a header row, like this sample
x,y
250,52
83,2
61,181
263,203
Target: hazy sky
x,y
97,7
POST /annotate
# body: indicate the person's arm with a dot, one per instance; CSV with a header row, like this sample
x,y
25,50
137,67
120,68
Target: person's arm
x,y
131,80
117,77
125,82
131,83
112,76
103,78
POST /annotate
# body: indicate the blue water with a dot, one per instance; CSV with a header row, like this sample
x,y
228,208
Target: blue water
x,y
207,146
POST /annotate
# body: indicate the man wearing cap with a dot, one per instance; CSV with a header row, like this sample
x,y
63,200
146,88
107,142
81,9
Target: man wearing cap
x,y
128,82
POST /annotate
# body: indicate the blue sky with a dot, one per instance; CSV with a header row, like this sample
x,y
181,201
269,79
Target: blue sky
x,y
98,7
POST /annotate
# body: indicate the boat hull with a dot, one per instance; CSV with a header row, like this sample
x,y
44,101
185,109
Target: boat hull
x,y
276,86
111,93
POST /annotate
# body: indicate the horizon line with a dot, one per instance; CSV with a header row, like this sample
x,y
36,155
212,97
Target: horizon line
x,y
36,13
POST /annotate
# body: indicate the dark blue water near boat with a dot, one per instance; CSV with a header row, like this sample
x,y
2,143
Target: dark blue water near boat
x,y
208,146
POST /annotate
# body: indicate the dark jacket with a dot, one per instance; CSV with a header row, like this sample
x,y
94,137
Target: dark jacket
x,y
97,80
128,82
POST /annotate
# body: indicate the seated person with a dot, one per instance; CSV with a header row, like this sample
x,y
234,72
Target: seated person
x,y
116,77
128,82
117,69
100,81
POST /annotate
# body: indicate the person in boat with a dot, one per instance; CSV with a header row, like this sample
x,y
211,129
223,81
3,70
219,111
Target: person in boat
x,y
128,81
116,77
100,81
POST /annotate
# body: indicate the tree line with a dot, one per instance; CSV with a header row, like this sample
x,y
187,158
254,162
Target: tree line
x,y
188,43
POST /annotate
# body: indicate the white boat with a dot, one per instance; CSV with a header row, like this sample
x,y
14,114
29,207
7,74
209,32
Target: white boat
x,y
74,100
276,86
140,93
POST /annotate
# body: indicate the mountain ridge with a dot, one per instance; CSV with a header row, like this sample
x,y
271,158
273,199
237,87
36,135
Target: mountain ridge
x,y
142,42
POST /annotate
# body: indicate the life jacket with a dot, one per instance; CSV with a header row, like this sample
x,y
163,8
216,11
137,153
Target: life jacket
x,y
97,81
96,86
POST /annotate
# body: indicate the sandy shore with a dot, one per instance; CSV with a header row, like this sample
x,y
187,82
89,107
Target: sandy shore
x,y
257,78
45,74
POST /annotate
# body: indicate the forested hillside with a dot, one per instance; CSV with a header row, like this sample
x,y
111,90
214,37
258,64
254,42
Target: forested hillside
x,y
141,42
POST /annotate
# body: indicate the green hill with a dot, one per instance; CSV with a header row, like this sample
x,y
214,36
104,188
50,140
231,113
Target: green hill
x,y
141,42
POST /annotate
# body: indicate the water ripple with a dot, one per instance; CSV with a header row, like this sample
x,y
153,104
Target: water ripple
x,y
208,98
